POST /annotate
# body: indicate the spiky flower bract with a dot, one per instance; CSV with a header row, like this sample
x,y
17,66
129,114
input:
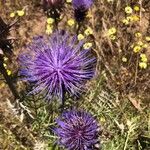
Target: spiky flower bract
x,y
53,7
80,8
5,42
77,130
57,65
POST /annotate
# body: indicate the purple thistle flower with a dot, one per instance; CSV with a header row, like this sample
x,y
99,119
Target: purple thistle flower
x,y
77,130
57,65
80,8
78,4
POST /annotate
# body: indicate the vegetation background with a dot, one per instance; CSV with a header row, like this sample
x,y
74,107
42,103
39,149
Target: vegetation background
x,y
119,94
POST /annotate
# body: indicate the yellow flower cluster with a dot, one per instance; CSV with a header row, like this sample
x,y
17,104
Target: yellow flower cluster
x,y
112,33
87,32
19,13
143,62
131,15
141,43
71,22
49,26
5,65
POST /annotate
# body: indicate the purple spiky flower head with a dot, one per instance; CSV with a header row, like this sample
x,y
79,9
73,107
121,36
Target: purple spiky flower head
x,y
77,4
80,8
77,130
57,65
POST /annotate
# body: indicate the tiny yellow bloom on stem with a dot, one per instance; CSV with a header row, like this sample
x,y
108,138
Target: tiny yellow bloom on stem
x,y
2,85
147,38
89,15
130,18
12,14
136,49
112,37
87,45
4,65
5,58
125,21
143,65
124,59
50,21
128,10
135,18
20,13
140,43
71,22
49,31
136,8
144,45
112,30
8,72
68,1
88,31
143,58
138,34
80,37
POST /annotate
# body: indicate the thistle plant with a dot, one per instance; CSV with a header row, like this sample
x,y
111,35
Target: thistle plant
x,y
80,8
57,66
77,130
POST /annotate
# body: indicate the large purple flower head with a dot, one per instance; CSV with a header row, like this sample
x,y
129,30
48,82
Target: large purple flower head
x,y
77,130
80,8
57,65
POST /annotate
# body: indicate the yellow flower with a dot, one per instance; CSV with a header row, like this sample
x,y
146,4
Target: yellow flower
x,y
88,31
5,58
2,85
128,10
124,59
89,15
135,18
49,29
71,22
147,38
130,18
138,34
136,8
80,37
143,58
112,30
20,13
144,45
4,65
8,72
50,21
125,21
87,45
12,14
136,49
68,1
109,1
143,65
140,43
112,37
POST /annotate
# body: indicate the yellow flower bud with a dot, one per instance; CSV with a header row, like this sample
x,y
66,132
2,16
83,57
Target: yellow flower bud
x,y
20,13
